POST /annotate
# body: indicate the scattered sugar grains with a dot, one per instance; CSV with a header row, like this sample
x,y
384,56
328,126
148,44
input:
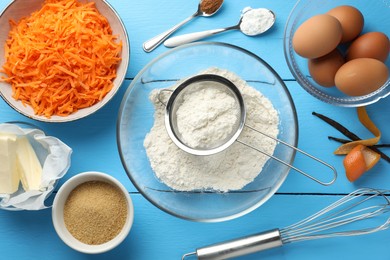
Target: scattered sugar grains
x,y
230,169
95,212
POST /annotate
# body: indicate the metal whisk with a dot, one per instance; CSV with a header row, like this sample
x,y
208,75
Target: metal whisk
x,y
359,206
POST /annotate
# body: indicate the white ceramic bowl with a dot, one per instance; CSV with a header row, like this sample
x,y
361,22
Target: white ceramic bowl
x,y
18,9
58,213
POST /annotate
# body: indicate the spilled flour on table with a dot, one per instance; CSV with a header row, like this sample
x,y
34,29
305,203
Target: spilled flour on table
x,y
230,169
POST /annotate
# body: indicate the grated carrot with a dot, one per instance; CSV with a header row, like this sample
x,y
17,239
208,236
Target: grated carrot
x,y
61,58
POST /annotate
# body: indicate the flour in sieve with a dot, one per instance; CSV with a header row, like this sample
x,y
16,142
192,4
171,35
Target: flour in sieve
x,y
230,169
207,116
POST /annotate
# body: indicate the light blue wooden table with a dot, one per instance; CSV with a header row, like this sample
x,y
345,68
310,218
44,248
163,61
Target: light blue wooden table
x,y
157,235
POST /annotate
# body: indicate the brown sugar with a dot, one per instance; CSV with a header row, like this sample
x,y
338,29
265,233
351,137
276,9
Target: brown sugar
x,y
95,212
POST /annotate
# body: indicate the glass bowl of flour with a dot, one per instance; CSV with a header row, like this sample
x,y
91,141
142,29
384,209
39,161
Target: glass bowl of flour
x,y
215,187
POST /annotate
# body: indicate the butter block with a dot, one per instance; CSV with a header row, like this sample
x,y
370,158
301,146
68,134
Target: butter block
x,y
28,165
9,177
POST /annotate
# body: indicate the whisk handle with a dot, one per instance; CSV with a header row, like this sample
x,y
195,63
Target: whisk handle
x,y
241,246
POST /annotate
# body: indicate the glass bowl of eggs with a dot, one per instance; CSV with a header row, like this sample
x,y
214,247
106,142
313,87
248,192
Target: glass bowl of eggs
x,y
338,50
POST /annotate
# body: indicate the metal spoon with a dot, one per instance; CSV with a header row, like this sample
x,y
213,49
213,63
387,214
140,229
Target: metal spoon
x,y
151,44
190,37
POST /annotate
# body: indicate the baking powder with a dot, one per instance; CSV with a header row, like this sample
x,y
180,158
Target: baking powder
x,y
256,21
230,169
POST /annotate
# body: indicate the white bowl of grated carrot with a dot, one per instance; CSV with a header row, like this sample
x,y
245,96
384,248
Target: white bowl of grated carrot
x,y
61,60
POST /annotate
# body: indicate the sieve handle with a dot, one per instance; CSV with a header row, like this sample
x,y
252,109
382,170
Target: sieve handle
x,y
159,95
289,165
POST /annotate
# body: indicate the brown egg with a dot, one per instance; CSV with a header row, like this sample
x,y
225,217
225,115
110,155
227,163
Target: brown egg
x,y
361,76
351,20
317,36
374,45
323,69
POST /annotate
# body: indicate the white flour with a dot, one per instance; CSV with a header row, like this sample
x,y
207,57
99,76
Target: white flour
x,y
256,21
206,116
231,169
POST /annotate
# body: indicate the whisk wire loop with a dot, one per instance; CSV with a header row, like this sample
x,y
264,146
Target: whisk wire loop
x,y
339,214
305,232
352,196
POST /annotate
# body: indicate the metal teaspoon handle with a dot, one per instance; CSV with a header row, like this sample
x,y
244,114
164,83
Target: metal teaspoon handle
x,y
191,37
151,44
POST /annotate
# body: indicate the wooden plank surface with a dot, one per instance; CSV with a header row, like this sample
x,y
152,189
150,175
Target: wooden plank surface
x,y
157,235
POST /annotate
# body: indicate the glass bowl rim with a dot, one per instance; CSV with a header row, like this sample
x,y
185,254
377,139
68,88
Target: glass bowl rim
x,y
272,190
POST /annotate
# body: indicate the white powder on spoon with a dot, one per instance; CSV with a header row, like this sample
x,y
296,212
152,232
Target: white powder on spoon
x,y
231,169
256,21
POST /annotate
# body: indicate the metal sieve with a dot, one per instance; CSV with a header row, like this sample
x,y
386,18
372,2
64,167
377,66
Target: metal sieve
x,y
203,81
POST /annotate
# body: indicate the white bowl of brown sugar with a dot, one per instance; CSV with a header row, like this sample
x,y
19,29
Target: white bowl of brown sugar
x,y
92,212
